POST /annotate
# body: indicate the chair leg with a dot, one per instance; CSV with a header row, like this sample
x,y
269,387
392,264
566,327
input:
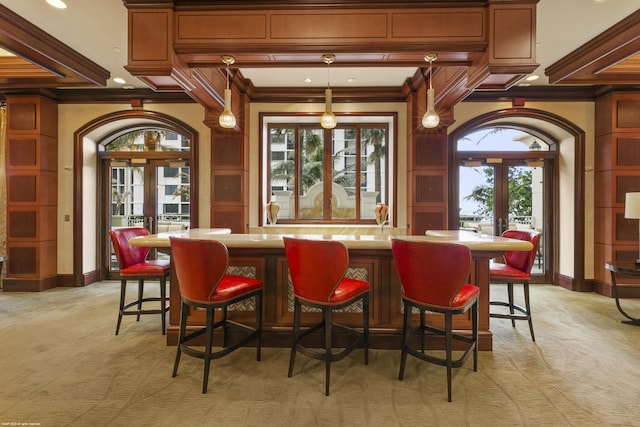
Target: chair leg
x,y
224,327
474,334
328,350
123,291
208,347
140,296
184,312
163,303
406,326
528,308
422,328
511,309
365,328
448,349
296,327
258,325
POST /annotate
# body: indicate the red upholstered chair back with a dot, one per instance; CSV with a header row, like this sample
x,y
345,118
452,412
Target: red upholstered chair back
x,y
431,272
522,260
316,267
199,265
126,254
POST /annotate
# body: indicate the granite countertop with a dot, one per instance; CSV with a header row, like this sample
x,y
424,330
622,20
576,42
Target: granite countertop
x,y
381,240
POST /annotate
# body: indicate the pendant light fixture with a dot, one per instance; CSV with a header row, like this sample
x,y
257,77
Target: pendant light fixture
x,y
430,119
328,119
227,119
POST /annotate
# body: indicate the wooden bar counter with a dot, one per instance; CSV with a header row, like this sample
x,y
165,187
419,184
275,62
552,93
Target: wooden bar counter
x,y
262,256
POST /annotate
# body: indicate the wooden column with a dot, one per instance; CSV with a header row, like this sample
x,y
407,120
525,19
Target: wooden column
x,y
32,193
617,172
427,169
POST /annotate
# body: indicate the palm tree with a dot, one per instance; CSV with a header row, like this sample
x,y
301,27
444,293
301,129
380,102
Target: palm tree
x,y
376,137
137,140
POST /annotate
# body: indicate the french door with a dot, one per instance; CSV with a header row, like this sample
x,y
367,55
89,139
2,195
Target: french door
x,y
142,192
496,194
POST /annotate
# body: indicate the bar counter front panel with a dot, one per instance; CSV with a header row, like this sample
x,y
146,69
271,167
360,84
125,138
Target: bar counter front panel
x,y
262,256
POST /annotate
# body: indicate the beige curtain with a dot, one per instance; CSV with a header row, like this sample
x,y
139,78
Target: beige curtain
x,y
3,185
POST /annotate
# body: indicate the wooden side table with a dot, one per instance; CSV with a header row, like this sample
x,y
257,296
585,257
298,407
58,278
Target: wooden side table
x,y
628,268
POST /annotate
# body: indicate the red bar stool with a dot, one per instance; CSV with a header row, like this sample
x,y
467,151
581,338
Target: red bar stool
x,y
516,269
433,278
133,265
317,269
201,267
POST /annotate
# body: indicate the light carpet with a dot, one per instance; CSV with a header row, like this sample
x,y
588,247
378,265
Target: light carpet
x,y
62,365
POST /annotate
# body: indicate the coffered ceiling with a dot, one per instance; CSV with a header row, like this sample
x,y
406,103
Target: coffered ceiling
x,y
579,42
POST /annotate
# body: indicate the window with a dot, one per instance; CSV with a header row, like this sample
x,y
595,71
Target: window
x,y
327,175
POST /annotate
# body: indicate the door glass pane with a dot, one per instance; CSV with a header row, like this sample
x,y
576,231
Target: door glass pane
x,y
172,197
345,169
526,203
127,195
476,198
310,189
126,200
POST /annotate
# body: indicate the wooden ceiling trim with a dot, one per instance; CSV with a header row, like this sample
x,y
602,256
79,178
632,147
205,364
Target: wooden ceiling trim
x,y
402,32
590,63
27,41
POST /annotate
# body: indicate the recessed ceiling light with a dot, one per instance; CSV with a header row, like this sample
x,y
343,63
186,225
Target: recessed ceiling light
x,y
307,79
524,84
58,4
119,80
351,79
128,87
532,77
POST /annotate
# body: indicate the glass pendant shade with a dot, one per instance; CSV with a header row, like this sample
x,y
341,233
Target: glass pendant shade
x,y
328,119
227,119
430,119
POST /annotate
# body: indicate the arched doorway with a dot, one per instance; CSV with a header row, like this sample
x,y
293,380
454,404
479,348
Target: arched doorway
x,y
89,227
505,179
566,267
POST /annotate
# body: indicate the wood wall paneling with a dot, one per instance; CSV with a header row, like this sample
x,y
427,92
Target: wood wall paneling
x,y
22,151
228,218
150,36
513,37
625,183
226,188
628,114
227,151
32,193
604,153
626,229
429,189
428,219
605,195
429,151
628,151
617,165
32,223
35,261
604,221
